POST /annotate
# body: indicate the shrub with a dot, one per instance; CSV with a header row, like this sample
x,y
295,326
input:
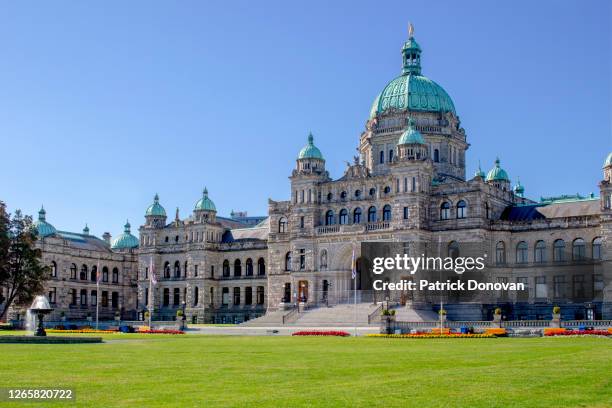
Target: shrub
x,y
387,312
556,310
179,313
442,312
498,311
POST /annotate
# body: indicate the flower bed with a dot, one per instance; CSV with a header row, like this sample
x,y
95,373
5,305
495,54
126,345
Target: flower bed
x,y
565,332
161,331
434,336
80,331
321,333
496,331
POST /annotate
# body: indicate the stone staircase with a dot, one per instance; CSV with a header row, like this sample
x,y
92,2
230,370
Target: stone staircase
x,y
270,319
336,316
408,314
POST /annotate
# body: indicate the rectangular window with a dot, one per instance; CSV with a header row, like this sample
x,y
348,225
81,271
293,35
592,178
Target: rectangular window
x,y
105,298
260,295
236,296
195,270
559,286
302,258
73,297
115,300
176,298
405,184
578,287
406,212
248,296
522,295
52,295
225,296
598,285
413,184
541,289
301,222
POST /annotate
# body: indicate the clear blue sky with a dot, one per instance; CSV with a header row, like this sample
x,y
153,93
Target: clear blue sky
x,y
103,105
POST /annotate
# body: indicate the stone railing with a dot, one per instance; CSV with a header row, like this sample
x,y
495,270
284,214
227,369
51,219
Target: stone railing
x,y
292,316
375,226
374,317
328,229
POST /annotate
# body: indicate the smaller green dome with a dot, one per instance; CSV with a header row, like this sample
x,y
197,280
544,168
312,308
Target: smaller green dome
x,y
497,173
479,172
205,203
411,135
608,161
125,240
44,228
519,190
155,209
310,151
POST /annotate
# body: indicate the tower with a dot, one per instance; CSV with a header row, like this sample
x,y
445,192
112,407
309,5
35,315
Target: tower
x,y
155,215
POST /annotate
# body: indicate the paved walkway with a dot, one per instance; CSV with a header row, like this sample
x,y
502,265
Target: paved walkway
x,y
274,330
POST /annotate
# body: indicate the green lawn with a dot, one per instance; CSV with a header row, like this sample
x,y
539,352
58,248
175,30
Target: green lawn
x,y
209,371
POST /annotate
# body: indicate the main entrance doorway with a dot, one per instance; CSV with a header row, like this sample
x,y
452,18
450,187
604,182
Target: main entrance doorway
x,y
303,291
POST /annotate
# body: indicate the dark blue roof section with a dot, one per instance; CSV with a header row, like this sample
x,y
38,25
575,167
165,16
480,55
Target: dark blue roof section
x,y
522,213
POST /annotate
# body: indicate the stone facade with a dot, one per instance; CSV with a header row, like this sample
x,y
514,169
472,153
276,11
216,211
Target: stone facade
x,y
407,185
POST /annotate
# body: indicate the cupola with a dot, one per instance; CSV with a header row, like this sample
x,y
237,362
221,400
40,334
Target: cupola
x,y
498,176
205,209
411,144
155,214
42,226
125,240
310,159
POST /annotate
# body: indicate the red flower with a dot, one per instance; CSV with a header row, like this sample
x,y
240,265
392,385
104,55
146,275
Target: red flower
x,y
321,333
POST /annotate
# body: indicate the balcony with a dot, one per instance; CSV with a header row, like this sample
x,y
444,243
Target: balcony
x,y
352,228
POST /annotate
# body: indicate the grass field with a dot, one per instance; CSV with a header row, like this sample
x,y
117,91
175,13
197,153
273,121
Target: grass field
x,y
209,371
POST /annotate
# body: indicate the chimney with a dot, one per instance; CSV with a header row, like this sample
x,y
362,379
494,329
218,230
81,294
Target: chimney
x,y
106,237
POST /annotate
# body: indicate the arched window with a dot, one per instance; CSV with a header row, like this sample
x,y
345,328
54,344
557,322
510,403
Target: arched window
x,y
372,192
445,211
461,206
597,248
93,275
539,255
387,190
559,250
196,296
578,249
237,268
115,275
500,253
343,218
261,267
522,252
329,218
357,216
73,271
453,249
288,261
249,267
357,193
323,263
329,196
105,274
282,225
387,213
226,268
343,195
177,269
166,269
372,214
382,157
436,155
53,269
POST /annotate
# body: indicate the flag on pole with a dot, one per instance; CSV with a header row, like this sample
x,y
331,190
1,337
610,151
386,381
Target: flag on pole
x,y
353,265
98,274
152,273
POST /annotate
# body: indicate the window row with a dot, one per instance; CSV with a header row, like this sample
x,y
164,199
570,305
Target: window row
x,y
86,273
83,299
248,296
357,216
461,210
560,251
261,268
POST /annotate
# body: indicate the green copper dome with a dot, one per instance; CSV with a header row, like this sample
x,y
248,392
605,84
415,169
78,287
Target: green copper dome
x,y
497,173
125,240
205,203
411,135
411,90
155,209
310,151
608,161
519,190
479,172
44,228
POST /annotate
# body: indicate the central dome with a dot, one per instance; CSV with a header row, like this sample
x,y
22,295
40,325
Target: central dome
x,y
411,90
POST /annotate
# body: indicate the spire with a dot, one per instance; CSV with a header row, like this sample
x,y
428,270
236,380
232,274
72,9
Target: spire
x,y
42,213
126,227
156,198
519,190
479,172
411,54
86,230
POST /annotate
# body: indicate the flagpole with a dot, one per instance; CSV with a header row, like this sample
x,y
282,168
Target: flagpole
x,y
97,291
151,272
354,276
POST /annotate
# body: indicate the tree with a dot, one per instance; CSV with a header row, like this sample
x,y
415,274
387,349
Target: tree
x,y
22,275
